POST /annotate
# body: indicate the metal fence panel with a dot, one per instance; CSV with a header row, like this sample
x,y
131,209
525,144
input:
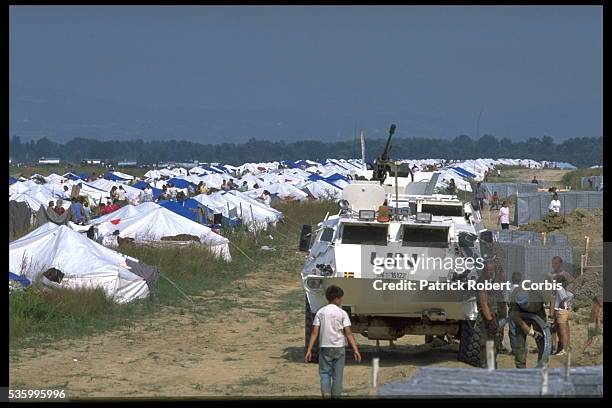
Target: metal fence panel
x,y
534,206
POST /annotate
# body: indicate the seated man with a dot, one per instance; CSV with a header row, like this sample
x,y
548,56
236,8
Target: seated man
x,y
59,210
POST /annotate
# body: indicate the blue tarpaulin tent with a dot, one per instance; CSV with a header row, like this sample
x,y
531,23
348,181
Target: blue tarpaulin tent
x,y
463,172
83,176
208,168
180,183
289,163
141,185
185,208
21,279
12,180
113,177
71,176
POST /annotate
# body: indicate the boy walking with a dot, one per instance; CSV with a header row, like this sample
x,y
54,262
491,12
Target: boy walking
x,y
334,326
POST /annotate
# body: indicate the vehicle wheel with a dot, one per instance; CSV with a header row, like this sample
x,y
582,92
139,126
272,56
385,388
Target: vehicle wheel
x,y
470,344
429,338
308,319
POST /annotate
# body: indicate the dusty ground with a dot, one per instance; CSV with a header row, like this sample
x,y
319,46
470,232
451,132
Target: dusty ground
x,y
244,342
546,177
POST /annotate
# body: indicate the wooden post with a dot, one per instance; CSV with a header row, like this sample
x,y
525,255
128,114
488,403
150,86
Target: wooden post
x,y
586,250
544,390
490,355
375,365
544,238
582,264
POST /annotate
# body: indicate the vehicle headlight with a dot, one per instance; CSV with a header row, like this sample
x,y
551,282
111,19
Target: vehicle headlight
x,y
314,283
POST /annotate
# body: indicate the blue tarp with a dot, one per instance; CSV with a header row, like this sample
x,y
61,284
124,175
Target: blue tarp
x,y
21,279
208,168
463,172
71,176
141,185
290,163
315,177
336,176
183,208
180,183
302,163
83,176
12,180
113,177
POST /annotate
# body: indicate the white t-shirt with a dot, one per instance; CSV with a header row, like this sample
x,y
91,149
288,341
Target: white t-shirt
x,y
332,320
267,200
555,205
504,215
120,194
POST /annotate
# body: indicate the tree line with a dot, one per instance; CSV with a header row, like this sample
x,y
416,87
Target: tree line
x,y
582,152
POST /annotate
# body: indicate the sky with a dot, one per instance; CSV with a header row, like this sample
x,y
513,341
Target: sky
x,y
231,73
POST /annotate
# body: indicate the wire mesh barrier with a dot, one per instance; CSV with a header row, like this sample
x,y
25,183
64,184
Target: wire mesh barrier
x,y
532,261
530,237
505,190
596,181
531,207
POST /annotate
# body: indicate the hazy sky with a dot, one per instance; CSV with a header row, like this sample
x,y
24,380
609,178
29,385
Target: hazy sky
x,y
533,70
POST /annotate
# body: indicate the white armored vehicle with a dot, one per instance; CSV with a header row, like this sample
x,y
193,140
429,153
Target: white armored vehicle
x,y
426,239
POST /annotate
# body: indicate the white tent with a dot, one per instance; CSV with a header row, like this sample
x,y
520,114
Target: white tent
x,y
84,263
133,194
283,191
154,222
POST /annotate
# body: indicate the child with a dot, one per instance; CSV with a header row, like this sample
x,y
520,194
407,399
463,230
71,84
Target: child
x,y
333,323
495,201
504,216
595,328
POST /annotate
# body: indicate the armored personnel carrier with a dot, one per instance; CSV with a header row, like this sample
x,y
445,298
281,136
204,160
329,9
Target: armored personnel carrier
x,y
391,218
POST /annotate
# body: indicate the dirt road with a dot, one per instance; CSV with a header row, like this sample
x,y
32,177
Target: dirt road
x,y
246,342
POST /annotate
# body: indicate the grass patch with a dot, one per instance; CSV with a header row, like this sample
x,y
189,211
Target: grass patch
x,y
61,169
291,301
45,315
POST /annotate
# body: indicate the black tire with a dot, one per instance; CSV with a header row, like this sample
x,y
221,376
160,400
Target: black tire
x,y
470,344
308,319
429,338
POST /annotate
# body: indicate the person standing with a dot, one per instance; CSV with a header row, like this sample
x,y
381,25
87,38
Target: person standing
x,y
595,328
333,327
561,306
487,314
555,204
494,201
535,180
504,216
480,195
452,188
76,211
